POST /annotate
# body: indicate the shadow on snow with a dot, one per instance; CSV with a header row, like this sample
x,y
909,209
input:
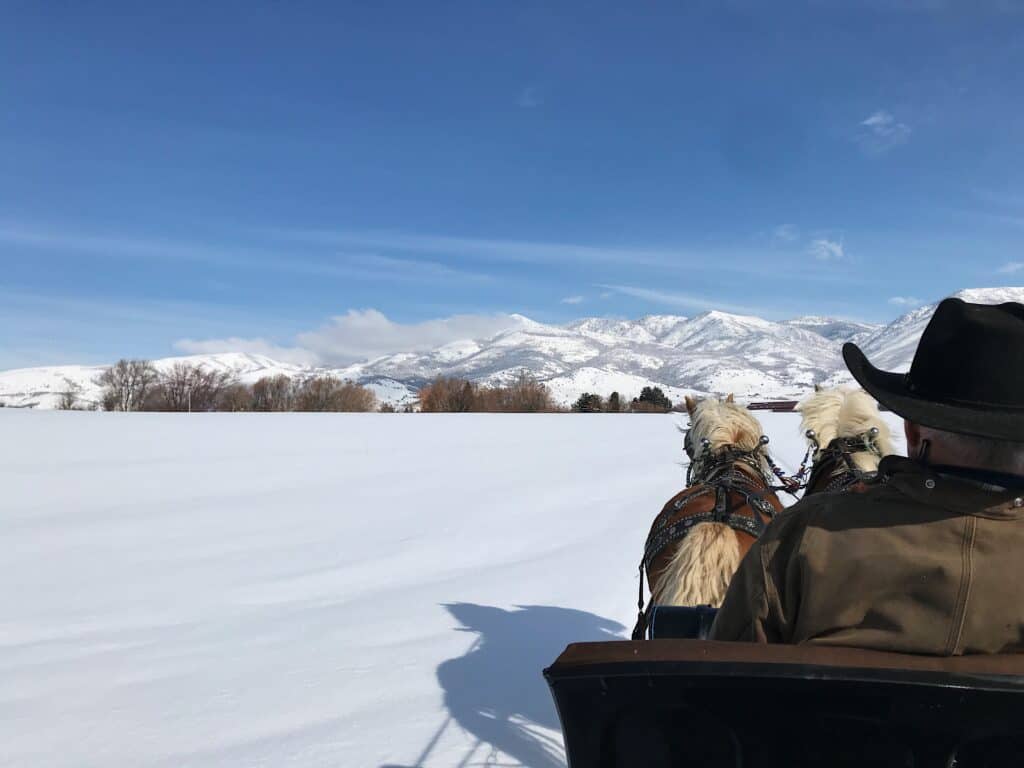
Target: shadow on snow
x,y
495,691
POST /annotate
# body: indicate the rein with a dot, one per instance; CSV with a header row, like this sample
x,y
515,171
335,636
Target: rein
x,y
697,470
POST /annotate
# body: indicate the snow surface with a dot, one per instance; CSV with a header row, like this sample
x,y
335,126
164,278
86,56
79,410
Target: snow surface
x,y
314,589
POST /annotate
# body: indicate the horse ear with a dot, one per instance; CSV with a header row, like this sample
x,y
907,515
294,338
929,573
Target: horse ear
x,y
691,405
729,398
818,387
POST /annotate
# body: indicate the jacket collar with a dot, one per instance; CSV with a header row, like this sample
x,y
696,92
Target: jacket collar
x,y
995,481
962,495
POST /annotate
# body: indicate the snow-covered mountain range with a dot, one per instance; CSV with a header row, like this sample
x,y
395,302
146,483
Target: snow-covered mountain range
x,y
713,352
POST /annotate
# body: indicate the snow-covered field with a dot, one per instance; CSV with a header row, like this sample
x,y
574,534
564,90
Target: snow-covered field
x,y
314,589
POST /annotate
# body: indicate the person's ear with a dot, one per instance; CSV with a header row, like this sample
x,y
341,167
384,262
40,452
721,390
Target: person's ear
x,y
913,433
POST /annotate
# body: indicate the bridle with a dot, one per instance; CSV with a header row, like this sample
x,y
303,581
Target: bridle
x,y
836,460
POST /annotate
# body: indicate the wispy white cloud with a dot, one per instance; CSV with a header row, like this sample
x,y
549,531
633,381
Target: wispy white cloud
x,y
1011,267
572,300
881,131
529,98
115,310
737,260
351,265
686,301
905,301
362,334
61,328
513,251
1004,199
785,234
824,249
367,333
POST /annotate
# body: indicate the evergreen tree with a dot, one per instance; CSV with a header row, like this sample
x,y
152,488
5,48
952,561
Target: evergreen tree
x,y
587,403
614,403
652,398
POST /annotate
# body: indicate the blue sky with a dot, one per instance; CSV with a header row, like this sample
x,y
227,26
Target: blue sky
x,y
347,178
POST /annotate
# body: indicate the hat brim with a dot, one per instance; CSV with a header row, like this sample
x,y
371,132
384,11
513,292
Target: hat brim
x,y
890,389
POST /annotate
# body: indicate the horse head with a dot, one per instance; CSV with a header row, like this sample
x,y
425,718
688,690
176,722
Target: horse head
x,y
720,424
846,435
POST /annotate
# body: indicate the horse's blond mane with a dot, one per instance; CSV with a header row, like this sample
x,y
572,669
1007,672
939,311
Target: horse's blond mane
x,y
846,412
725,423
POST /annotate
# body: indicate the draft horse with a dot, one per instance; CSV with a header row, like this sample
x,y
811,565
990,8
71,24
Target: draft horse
x,y
846,437
696,542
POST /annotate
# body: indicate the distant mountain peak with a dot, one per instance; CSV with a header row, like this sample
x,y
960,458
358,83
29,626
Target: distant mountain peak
x,y
712,352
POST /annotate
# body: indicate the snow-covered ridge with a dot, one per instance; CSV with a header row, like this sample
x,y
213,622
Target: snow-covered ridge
x,y
713,352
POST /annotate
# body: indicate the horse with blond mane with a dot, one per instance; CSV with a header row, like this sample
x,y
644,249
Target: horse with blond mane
x,y
846,436
698,539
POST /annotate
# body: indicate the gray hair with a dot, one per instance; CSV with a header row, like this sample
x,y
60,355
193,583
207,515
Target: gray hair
x,y
974,451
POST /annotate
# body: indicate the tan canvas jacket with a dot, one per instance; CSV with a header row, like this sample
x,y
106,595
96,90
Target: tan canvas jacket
x,y
918,563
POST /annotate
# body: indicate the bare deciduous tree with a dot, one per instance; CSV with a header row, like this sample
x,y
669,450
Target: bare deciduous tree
x,y
326,393
235,398
354,397
449,395
524,395
189,387
68,400
273,393
126,384
527,395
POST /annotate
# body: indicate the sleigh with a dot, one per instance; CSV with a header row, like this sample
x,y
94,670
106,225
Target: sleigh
x,y
677,702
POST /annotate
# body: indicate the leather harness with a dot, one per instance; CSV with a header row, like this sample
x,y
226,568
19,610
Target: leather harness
x,y
721,485
839,453
718,475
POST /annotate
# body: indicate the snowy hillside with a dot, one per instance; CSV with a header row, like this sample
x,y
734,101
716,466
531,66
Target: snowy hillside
x,y
892,347
713,352
315,590
836,330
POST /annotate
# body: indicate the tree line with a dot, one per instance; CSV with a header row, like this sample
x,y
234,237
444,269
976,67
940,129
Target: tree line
x,y
526,395
137,385
453,395
650,400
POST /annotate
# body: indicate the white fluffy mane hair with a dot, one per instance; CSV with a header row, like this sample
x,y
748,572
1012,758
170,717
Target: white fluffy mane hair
x,y
723,423
704,563
846,412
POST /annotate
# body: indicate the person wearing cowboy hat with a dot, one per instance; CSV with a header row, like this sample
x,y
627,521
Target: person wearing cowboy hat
x,y
926,560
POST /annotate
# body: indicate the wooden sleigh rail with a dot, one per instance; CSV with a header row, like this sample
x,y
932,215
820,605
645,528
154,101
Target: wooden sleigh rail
x,y
704,703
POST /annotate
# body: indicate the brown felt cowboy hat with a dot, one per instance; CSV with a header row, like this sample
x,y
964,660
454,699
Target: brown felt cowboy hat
x,y
967,376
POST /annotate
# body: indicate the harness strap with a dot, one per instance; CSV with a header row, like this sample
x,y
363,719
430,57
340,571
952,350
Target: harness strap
x,y
678,530
838,453
721,502
736,482
666,514
640,629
